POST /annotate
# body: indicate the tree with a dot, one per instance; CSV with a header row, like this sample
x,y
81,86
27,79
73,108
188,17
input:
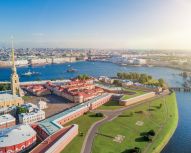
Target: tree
x,y
81,134
117,82
151,132
99,114
83,77
150,77
21,110
5,86
135,150
161,82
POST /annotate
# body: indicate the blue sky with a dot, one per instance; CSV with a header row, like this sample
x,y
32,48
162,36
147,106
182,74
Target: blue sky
x,y
145,24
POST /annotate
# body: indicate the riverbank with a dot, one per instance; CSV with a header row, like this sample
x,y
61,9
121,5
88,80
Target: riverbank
x,y
160,115
170,127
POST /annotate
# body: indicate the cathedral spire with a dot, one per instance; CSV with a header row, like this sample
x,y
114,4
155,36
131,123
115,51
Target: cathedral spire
x,y
15,87
13,56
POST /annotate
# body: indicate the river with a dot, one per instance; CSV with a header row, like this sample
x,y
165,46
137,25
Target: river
x,y
181,140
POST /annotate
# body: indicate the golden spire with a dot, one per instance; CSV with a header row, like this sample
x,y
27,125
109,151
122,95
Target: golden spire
x,y
13,56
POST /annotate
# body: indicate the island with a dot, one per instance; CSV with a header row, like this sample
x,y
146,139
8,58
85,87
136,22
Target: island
x,y
144,126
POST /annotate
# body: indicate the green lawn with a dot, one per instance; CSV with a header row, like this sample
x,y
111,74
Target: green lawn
x,y
26,98
137,93
162,120
84,122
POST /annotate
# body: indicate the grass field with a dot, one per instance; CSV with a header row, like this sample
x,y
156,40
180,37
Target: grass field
x,y
162,119
84,122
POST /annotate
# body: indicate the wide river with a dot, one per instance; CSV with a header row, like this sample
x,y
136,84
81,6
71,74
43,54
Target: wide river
x,y
181,140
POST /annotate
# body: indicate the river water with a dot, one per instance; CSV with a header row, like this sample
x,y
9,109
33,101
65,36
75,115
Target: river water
x,y
181,140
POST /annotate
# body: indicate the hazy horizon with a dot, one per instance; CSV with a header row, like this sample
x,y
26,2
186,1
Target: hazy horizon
x,y
146,24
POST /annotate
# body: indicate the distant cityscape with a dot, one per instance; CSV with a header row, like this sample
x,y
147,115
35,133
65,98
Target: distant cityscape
x,y
42,56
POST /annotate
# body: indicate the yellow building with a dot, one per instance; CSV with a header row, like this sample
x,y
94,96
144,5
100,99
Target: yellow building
x,y
7,100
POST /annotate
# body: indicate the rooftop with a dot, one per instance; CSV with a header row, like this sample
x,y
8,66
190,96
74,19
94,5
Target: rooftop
x,y
44,146
31,114
49,126
6,118
16,135
7,97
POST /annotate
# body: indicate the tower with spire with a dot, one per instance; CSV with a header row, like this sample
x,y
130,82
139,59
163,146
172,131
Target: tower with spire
x,y
15,87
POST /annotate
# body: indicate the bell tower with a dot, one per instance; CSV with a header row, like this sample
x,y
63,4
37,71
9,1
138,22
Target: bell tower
x,y
15,87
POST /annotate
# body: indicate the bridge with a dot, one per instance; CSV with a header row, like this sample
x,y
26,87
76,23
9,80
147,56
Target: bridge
x,y
184,89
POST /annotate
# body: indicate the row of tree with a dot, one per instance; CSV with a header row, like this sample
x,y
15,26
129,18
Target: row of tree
x,y
83,77
141,78
5,86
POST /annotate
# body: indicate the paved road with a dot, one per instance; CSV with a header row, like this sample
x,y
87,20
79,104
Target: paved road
x,y
109,115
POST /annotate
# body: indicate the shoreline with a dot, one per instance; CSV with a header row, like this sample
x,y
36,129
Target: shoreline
x,y
160,147
40,64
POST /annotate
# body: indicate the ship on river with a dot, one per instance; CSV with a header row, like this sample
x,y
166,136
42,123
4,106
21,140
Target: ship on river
x,y
29,73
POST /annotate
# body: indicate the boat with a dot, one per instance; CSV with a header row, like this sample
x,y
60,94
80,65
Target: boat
x,y
29,73
71,70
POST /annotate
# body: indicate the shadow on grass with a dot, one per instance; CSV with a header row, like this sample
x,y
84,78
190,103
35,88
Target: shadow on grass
x,y
157,107
94,115
125,115
108,136
139,112
150,109
140,139
143,133
127,151
112,103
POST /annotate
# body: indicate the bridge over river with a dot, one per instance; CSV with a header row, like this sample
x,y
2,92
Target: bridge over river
x,y
184,89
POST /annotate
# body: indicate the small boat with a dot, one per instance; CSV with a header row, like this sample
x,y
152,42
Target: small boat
x,y
71,70
29,73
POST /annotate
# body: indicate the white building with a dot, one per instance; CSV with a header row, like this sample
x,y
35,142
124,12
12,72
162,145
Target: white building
x,y
29,107
32,117
7,121
106,79
21,62
126,83
61,60
139,61
42,104
37,61
18,138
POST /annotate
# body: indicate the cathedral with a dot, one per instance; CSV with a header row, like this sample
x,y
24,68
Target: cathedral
x,y
13,97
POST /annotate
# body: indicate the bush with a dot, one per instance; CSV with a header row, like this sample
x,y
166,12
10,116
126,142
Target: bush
x,y
135,150
151,133
130,114
85,113
6,86
99,115
21,110
81,134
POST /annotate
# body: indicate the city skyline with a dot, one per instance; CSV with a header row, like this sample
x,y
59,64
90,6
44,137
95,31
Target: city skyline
x,y
143,24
